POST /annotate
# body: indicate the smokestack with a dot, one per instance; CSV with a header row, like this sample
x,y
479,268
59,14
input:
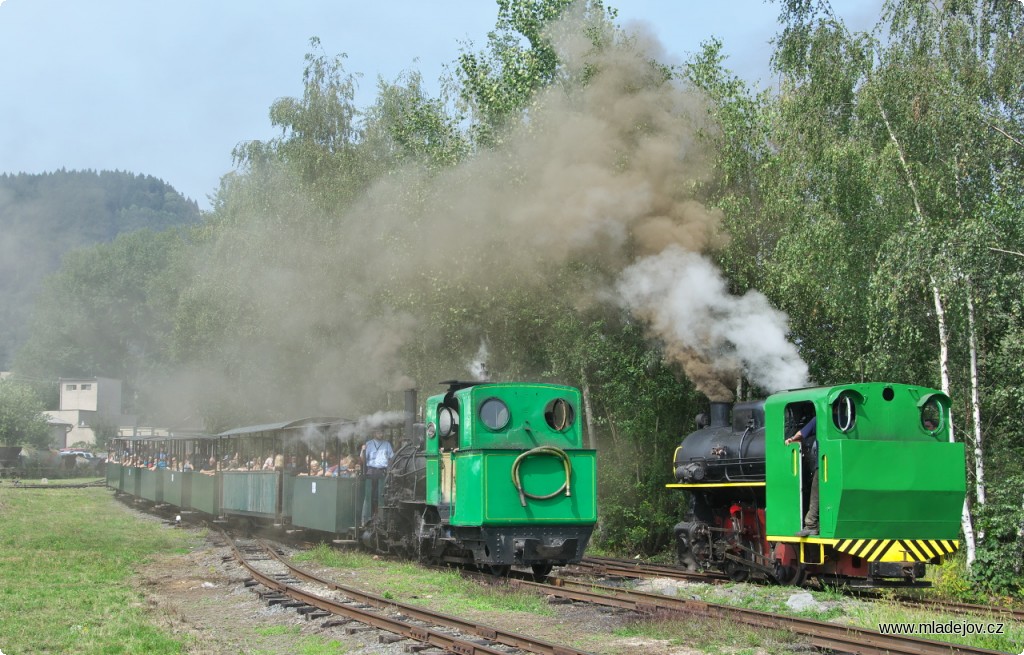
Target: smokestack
x,y
410,415
720,414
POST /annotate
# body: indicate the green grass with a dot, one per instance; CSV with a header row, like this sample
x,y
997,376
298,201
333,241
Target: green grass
x,y
308,645
66,557
711,635
444,590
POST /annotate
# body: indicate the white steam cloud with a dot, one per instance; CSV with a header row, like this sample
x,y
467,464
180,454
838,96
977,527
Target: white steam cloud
x,y
706,329
478,366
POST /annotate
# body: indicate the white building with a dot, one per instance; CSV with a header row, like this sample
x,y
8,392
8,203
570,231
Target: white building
x,y
85,404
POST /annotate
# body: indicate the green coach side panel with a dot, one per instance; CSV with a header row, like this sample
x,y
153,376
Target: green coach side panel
x,y
326,504
113,474
486,496
252,493
172,486
151,485
131,481
205,496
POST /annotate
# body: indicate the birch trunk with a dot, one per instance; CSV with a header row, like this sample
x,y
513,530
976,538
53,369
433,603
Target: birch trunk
x,y
979,461
588,413
965,516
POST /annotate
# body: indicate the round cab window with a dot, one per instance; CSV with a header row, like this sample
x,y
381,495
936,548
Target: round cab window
x,y
559,414
844,413
494,413
447,421
931,416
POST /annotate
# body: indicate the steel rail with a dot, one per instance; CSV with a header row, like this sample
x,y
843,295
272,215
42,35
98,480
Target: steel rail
x,y
951,607
846,639
397,626
490,633
380,621
626,568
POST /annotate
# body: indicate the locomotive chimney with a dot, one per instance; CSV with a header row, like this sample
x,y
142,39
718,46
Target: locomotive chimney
x,y
720,414
410,415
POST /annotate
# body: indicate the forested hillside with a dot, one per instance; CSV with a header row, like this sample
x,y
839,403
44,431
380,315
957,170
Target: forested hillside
x,y
43,217
574,210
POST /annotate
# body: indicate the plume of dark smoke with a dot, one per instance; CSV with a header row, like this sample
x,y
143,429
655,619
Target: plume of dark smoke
x,y
603,171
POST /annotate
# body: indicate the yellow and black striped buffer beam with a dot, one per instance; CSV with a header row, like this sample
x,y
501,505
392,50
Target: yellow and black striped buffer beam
x,y
897,550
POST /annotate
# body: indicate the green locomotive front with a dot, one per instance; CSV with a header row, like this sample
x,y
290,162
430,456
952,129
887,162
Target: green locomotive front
x,y
503,478
891,486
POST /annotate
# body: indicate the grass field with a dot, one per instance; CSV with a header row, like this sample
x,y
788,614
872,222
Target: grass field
x,y
66,556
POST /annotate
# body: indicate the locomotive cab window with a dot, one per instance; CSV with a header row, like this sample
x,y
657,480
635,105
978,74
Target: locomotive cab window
x,y
931,416
447,421
797,416
844,412
494,413
559,414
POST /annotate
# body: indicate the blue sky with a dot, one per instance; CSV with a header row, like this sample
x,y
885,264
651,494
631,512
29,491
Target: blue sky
x,y
169,88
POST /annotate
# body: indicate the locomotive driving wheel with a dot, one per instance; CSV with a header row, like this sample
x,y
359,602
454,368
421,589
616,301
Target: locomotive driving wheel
x,y
793,575
541,571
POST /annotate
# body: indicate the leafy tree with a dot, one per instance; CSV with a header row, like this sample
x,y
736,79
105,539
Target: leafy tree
x,y
498,84
21,416
108,312
868,191
43,217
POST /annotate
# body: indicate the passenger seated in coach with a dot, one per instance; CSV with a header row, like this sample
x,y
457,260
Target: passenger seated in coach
x,y
343,468
211,467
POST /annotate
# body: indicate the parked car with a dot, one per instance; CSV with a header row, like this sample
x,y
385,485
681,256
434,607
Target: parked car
x,y
72,458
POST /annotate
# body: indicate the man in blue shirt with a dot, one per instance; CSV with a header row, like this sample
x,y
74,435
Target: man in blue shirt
x,y
374,456
807,436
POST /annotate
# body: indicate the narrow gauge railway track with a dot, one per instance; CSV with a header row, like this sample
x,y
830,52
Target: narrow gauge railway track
x,y
631,569
368,608
950,607
82,485
844,639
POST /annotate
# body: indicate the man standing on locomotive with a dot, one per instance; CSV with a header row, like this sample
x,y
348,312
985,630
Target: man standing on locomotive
x,y
807,435
374,457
